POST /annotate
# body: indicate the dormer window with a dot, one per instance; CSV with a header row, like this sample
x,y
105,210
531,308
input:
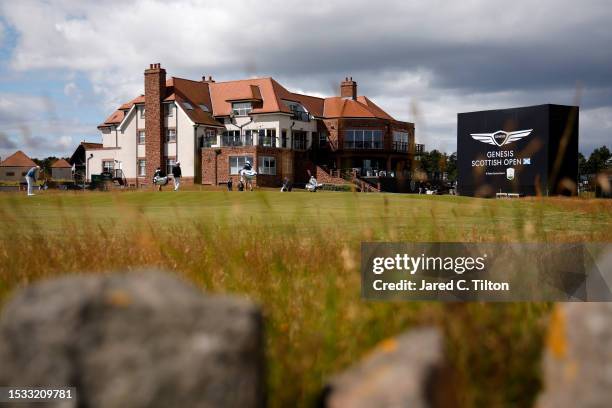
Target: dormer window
x,y
187,106
242,108
298,111
204,108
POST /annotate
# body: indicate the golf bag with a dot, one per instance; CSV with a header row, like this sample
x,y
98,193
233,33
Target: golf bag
x,y
313,185
160,181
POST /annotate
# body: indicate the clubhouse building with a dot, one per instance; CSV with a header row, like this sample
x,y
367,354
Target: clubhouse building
x,y
212,128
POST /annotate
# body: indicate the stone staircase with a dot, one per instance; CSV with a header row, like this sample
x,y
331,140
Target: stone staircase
x,y
336,177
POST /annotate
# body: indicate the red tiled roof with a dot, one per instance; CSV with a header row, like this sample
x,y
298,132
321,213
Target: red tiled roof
x,y
374,108
196,93
60,163
17,159
114,119
128,105
266,93
338,107
266,90
313,104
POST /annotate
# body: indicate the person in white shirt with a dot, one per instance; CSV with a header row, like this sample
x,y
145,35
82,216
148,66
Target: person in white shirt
x,y
31,178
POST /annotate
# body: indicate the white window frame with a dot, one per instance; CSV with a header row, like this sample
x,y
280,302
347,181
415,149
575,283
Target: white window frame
x,y
169,109
399,136
168,132
264,135
141,166
143,139
267,165
234,168
231,136
111,167
242,108
169,164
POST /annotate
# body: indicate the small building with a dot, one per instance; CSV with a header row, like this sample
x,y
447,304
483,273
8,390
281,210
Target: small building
x,y
61,170
15,167
78,158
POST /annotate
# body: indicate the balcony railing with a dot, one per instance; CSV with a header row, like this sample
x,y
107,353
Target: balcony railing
x,y
350,144
299,144
407,147
401,146
233,141
268,141
301,116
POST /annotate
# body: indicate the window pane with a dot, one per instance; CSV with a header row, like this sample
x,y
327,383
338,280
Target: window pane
x,y
237,163
169,164
377,138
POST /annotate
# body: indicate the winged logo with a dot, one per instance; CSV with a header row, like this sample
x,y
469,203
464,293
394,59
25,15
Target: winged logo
x,y
500,137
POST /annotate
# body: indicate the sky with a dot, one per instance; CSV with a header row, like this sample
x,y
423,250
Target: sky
x,y
65,65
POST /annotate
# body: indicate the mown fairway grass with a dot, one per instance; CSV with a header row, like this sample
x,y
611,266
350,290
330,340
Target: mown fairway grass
x,y
297,254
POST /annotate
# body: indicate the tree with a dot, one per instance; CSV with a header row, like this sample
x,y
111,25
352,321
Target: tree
x,y
597,160
582,165
451,166
433,163
46,163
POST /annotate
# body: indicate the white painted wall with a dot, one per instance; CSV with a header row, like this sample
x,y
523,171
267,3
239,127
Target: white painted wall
x,y
185,150
273,121
94,165
127,143
186,143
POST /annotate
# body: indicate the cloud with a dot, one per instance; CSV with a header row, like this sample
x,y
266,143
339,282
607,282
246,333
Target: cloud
x,y
422,61
31,123
73,91
6,142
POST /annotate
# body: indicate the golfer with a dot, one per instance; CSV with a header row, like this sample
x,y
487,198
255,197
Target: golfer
x,y
176,175
247,181
158,178
31,178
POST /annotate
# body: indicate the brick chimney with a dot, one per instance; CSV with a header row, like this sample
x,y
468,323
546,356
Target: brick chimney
x,y
348,88
155,92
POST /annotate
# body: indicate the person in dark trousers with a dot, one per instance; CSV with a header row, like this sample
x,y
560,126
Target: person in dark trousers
x,y
230,183
176,175
158,178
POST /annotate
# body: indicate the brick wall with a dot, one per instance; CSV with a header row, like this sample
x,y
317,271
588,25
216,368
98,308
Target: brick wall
x,y
332,127
215,165
348,88
155,89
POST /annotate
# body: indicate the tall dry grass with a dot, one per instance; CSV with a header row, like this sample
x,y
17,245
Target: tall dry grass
x,y
298,256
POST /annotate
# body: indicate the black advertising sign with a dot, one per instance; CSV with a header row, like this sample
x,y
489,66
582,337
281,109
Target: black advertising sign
x,y
517,150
